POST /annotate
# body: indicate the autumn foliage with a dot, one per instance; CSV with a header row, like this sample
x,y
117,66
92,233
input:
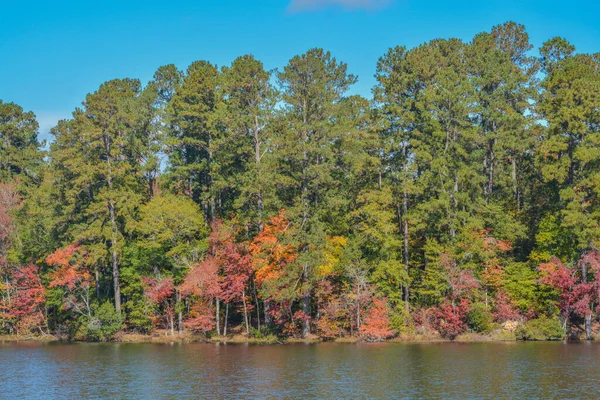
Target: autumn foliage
x,y
72,275
159,292
463,197
22,305
201,285
451,318
577,287
22,301
224,275
270,253
333,311
504,309
376,325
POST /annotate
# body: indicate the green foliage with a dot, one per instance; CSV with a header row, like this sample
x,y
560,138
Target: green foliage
x,y
172,231
552,239
137,315
432,286
137,308
474,164
264,334
542,328
102,324
479,318
520,282
400,319
19,144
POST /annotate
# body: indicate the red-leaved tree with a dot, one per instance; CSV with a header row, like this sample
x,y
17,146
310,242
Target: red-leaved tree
x,y
159,291
22,305
451,318
578,288
202,288
236,266
504,310
557,275
376,324
333,312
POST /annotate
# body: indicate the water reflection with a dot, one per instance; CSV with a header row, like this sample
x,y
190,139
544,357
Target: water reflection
x,y
448,370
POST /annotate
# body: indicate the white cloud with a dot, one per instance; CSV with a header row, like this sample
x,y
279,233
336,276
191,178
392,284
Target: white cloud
x,y
310,5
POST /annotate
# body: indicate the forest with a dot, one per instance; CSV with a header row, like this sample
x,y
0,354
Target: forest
x,y
464,196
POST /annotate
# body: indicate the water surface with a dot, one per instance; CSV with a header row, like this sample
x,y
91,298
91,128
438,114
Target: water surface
x,y
388,370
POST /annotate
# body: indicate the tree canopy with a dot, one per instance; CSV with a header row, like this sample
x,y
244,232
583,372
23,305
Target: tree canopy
x,y
465,194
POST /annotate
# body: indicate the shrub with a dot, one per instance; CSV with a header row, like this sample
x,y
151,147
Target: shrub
x,y
542,328
451,320
265,334
104,323
400,320
137,316
479,318
261,333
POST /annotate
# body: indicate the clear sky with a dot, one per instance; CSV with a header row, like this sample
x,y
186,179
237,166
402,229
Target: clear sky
x,y
52,53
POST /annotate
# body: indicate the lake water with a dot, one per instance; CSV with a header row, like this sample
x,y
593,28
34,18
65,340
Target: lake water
x,y
387,370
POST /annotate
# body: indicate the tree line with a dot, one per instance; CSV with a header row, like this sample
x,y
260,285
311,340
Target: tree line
x,y
465,194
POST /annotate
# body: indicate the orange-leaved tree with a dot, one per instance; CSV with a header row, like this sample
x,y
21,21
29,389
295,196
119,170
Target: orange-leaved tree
x,y
272,253
72,275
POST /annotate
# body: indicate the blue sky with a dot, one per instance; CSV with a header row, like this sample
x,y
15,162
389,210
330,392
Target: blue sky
x,y
52,53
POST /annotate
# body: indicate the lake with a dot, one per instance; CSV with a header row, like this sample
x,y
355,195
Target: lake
x,y
328,370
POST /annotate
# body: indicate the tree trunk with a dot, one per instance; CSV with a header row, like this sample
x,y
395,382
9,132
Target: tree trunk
x,y
358,308
217,316
213,215
406,263
267,307
97,279
305,200
405,228
179,313
306,310
588,316
246,313
114,228
588,326
257,306
455,205
454,190
211,186
257,161
492,158
513,162
116,283
172,320
226,318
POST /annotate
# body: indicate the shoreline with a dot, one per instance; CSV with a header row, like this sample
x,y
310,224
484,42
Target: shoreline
x,y
240,339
